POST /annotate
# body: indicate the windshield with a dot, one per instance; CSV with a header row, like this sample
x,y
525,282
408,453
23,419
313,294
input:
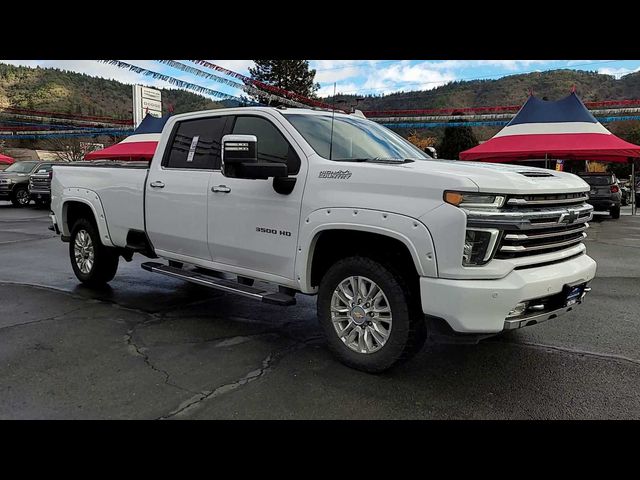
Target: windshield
x,y
353,138
21,167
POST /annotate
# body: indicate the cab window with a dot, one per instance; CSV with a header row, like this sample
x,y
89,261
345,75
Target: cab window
x,y
196,144
272,146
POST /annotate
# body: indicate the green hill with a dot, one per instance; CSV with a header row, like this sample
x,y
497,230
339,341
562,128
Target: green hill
x,y
510,90
57,90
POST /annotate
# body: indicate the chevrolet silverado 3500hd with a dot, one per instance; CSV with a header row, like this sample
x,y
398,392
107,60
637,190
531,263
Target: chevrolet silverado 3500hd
x,y
395,244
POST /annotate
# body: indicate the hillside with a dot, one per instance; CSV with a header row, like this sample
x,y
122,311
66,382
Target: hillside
x,y
57,90
510,90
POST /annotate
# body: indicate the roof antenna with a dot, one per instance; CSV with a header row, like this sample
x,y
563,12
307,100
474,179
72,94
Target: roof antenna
x,y
333,115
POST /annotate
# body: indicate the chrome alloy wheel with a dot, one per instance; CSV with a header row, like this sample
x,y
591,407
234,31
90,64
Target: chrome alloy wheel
x,y
84,251
22,196
361,314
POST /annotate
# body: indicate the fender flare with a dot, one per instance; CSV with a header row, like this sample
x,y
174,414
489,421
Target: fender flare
x,y
410,231
92,200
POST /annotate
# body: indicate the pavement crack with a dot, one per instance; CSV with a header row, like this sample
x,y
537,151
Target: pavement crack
x,y
267,364
577,351
167,377
40,320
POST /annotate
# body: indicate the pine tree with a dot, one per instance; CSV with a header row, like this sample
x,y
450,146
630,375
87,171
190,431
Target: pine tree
x,y
292,75
456,140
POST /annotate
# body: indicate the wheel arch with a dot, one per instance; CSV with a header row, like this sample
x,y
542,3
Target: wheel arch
x,y
373,233
86,205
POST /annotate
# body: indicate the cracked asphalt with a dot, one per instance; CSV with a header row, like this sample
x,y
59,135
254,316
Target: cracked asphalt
x,y
151,347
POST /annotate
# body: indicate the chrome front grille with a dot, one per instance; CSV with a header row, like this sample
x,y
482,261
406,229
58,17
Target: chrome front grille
x,y
547,200
532,225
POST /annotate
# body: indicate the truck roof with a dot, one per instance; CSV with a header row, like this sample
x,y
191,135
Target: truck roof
x,y
288,110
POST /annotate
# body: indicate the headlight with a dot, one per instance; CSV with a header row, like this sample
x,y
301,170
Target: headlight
x,y
474,200
479,245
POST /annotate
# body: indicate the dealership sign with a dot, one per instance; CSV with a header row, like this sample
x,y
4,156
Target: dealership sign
x,y
146,101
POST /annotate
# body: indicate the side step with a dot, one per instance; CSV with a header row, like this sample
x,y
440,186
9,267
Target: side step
x,y
275,298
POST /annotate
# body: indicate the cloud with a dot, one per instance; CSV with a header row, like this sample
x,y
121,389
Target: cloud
x,y
617,72
407,76
327,90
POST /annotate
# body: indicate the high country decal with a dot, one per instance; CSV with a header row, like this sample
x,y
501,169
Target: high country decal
x,y
338,175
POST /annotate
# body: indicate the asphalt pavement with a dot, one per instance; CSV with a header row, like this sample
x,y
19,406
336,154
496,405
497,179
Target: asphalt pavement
x,y
151,347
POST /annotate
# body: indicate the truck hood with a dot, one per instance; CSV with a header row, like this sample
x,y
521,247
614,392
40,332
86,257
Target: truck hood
x,y
414,188
15,176
501,178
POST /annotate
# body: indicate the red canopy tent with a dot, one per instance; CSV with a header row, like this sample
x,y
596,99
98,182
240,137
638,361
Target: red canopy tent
x,y
563,129
141,145
6,160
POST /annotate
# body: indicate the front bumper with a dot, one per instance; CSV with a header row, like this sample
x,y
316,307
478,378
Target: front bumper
x,y
482,306
603,204
39,194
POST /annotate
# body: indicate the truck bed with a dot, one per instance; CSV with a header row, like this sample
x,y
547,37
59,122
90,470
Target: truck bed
x,y
119,187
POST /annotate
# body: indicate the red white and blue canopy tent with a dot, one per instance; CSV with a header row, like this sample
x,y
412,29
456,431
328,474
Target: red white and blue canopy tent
x,y
140,145
4,160
563,129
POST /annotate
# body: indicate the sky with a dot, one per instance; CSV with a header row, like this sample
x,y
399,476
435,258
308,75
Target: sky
x,y
358,77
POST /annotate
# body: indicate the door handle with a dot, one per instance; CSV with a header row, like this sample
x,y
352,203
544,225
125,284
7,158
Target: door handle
x,y
157,184
220,189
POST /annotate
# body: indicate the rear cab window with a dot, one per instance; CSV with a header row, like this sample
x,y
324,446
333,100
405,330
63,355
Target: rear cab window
x,y
195,144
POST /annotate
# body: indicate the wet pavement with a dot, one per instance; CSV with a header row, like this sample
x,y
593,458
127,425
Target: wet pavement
x,y
150,347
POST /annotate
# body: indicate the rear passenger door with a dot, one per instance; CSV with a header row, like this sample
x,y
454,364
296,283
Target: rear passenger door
x,y
177,189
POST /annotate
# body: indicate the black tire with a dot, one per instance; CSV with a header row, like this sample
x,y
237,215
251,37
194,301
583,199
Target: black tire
x,y
20,197
105,260
408,330
615,212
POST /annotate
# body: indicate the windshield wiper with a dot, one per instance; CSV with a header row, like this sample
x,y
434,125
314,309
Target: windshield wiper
x,y
375,160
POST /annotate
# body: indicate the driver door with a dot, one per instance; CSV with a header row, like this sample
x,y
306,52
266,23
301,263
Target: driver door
x,y
251,226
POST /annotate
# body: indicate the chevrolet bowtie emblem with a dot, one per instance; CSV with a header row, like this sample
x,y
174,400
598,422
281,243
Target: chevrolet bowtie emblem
x,y
568,217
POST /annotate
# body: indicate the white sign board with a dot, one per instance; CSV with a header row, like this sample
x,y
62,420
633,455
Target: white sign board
x,y
146,100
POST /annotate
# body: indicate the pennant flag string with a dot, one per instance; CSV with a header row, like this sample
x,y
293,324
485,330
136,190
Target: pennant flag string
x,y
231,83
176,82
66,135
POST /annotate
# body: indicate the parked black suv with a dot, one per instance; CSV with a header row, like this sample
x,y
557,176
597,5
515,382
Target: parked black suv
x,y
605,192
15,184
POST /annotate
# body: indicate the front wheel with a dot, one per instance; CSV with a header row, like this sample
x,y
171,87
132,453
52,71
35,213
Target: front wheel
x,y
92,262
20,197
369,316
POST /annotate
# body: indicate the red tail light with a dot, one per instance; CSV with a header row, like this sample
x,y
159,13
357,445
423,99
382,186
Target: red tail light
x,y
614,189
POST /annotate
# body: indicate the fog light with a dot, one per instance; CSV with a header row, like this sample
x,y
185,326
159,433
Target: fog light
x,y
518,310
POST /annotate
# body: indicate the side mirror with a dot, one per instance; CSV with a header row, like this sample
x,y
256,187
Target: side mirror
x,y
240,159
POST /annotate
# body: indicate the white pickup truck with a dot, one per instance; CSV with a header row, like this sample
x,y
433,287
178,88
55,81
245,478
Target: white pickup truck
x,y
398,246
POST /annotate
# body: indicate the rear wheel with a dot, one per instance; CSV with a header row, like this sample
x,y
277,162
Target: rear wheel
x,y
369,316
20,197
92,262
615,212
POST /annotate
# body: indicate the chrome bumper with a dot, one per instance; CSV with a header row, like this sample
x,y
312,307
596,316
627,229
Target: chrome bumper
x,y
534,319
